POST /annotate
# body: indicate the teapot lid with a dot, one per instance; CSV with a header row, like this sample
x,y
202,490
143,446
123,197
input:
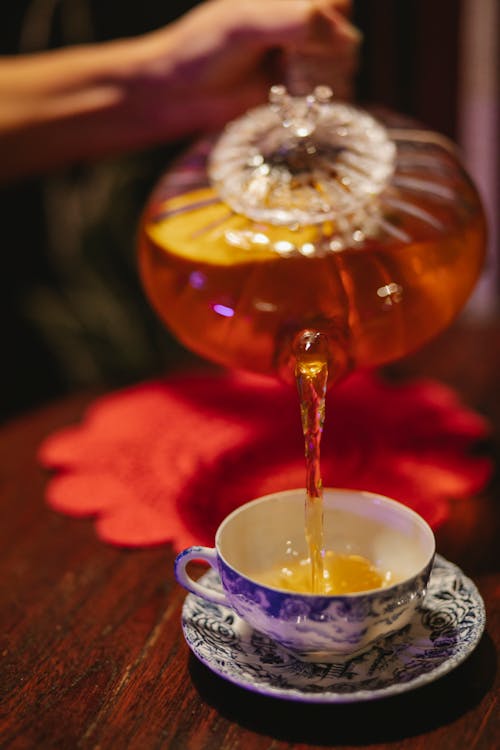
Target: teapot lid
x,y
304,160
310,176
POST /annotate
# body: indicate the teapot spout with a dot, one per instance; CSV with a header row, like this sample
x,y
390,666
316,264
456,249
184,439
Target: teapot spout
x,y
321,347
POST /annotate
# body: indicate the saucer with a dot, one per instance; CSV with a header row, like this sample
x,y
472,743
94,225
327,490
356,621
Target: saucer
x,y
444,631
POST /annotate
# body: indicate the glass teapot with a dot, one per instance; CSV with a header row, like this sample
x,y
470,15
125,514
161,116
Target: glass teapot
x,y
308,214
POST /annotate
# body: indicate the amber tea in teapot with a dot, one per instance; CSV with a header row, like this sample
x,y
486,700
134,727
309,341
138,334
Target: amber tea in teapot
x,y
379,280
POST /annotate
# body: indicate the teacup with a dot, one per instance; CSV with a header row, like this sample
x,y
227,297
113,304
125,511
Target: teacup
x,y
253,538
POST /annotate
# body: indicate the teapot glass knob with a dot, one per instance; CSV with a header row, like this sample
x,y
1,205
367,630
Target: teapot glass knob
x,y
299,115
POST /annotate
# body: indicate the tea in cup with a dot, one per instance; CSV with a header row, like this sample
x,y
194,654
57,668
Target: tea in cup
x,y
378,558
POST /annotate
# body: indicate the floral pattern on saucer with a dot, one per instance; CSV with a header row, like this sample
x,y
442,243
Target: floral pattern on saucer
x,y
445,630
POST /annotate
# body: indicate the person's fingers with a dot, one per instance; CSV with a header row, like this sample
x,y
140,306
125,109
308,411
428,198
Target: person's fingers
x,y
224,44
309,28
342,6
319,44
317,25
329,23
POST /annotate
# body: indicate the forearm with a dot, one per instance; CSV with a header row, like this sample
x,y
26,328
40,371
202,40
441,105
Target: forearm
x,y
80,103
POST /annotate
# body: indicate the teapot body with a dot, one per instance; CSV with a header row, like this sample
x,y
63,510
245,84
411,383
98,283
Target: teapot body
x,y
237,289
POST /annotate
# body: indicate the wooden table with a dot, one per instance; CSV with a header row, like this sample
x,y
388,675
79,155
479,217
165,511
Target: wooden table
x,y
92,653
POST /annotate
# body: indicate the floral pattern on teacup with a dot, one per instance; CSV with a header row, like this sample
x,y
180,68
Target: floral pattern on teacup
x,y
306,623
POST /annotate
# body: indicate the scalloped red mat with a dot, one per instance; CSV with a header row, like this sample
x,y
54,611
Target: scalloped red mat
x,y
165,461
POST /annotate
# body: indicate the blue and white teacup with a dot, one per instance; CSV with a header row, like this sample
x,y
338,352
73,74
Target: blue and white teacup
x,y
254,538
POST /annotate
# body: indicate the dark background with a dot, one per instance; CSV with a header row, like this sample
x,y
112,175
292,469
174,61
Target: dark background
x,y
72,313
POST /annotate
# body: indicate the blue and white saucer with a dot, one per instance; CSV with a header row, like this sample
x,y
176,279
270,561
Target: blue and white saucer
x,y
442,634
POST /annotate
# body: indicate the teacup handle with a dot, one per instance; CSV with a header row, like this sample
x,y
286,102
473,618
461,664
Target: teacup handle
x,y
209,555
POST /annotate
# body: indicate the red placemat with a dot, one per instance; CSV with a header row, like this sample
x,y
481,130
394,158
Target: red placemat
x,y
165,461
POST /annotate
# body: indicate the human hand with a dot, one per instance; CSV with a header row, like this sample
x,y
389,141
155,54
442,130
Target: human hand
x,y
220,59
